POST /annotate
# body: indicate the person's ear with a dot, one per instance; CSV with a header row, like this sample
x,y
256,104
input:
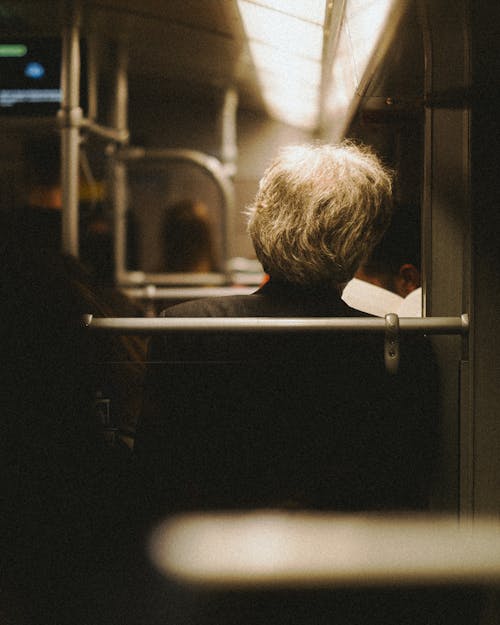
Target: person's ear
x,y
407,279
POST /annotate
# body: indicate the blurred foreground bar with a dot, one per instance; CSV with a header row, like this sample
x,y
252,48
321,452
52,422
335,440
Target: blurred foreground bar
x,y
306,550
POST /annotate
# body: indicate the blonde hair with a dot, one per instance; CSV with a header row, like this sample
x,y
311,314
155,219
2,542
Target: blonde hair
x,y
319,212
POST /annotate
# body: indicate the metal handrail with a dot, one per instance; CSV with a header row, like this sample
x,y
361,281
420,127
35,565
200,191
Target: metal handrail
x,y
151,291
215,169
140,325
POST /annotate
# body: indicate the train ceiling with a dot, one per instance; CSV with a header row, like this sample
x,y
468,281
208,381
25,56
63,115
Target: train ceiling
x,y
304,62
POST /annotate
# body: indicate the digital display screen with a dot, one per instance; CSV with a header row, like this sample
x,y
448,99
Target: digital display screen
x,y
30,76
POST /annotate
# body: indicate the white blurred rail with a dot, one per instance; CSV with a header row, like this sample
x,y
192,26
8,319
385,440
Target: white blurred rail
x,y
304,549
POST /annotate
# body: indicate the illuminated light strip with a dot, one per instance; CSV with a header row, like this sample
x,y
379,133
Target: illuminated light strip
x,y
12,50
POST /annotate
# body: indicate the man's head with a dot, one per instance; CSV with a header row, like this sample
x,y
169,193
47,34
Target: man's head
x,y
394,264
319,211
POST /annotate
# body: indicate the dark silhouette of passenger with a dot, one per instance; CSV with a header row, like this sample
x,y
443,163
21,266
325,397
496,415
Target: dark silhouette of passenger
x,y
301,419
188,239
393,269
67,512
37,222
395,263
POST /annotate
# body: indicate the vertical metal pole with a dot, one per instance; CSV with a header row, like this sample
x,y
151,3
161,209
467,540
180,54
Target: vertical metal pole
x,y
119,174
92,77
70,116
446,208
229,148
120,110
120,122
229,157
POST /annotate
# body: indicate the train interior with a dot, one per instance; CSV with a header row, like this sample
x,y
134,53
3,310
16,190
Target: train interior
x,y
161,106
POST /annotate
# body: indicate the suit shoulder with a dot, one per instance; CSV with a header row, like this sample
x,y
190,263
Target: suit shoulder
x,y
227,306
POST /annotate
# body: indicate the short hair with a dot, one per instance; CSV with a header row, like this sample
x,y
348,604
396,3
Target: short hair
x,y
319,211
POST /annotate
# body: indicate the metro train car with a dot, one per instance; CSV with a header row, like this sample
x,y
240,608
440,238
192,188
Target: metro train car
x,y
126,123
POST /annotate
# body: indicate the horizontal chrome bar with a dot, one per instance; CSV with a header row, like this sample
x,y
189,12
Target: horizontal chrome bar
x,y
206,161
139,278
177,293
105,132
140,325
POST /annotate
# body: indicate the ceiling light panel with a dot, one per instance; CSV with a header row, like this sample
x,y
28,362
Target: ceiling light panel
x,y
365,21
365,25
282,31
267,58
285,41
309,10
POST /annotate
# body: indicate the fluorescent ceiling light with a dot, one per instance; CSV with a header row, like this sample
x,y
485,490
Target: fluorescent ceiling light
x,y
285,32
310,10
286,47
293,68
366,31
285,41
365,20
302,102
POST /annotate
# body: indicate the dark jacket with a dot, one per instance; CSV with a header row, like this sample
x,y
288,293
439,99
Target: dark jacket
x,y
263,419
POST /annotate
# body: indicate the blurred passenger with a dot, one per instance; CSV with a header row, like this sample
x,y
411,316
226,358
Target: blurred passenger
x,y
37,222
67,512
188,238
96,246
389,280
309,420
